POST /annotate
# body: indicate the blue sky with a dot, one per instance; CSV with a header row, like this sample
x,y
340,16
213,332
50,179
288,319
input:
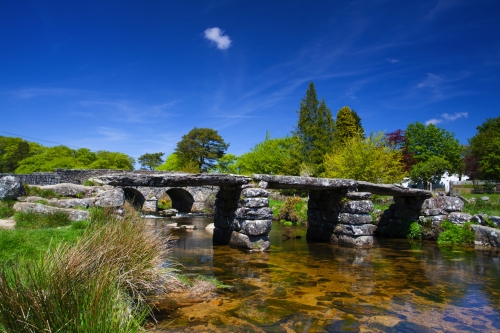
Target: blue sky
x,y
134,76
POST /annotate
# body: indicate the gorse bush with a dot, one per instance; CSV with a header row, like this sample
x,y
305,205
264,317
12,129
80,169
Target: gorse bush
x,y
98,284
454,234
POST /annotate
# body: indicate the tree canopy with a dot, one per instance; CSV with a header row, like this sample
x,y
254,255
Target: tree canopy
x,y
314,130
13,151
368,159
201,148
484,150
348,124
271,156
150,161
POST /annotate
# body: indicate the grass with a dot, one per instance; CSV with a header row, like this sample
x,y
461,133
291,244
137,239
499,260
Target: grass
x,y
99,283
34,220
490,208
6,209
36,191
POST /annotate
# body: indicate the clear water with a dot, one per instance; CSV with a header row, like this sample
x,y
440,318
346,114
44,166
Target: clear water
x,y
298,287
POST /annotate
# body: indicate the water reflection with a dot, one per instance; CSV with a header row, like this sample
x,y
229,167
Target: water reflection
x,y
310,287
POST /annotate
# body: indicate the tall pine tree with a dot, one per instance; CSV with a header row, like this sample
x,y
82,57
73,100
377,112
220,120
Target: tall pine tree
x,y
348,125
314,130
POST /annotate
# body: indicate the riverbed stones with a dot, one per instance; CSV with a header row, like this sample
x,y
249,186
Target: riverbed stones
x,y
73,214
11,188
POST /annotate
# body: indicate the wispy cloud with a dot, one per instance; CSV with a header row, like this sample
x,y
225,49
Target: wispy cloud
x,y
392,60
441,6
41,92
431,81
112,134
217,36
447,117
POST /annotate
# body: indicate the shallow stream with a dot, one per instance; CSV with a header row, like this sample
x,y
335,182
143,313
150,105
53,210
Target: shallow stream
x,y
396,286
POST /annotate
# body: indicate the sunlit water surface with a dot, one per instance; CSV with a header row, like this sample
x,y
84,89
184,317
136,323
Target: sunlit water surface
x,y
395,286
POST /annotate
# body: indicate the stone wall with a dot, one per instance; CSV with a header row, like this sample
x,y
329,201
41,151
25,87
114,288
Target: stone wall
x,y
243,218
37,178
340,217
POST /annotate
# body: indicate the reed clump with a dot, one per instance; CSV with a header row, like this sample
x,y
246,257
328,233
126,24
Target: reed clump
x,y
99,284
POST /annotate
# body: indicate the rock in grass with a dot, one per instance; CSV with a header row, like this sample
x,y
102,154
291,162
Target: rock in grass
x,y
73,214
111,198
11,187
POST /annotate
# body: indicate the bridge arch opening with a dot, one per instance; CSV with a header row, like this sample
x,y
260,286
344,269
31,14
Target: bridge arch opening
x,y
134,197
182,200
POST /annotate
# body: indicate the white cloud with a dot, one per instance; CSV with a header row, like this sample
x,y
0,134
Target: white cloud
x,y
432,80
433,121
455,116
217,36
392,60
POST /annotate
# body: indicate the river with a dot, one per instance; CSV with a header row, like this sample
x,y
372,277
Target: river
x,y
396,286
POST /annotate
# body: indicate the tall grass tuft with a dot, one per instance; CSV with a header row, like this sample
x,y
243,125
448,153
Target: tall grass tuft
x,y
100,284
36,220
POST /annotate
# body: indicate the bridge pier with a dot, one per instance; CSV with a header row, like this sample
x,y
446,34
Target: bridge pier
x,y
243,218
340,217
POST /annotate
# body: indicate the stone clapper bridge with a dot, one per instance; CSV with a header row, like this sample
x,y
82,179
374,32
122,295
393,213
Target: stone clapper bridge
x,y
338,209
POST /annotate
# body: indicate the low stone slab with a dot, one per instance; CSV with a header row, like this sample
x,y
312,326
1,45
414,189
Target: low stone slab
x,y
71,203
448,204
255,227
357,207
347,218
252,243
392,190
305,183
352,241
435,218
11,188
355,229
254,192
73,214
255,202
68,189
486,236
261,213
459,218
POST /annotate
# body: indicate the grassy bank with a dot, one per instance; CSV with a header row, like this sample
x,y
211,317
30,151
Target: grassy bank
x,y
97,281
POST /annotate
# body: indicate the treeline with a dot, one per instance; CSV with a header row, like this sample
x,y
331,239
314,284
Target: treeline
x,y
20,156
323,146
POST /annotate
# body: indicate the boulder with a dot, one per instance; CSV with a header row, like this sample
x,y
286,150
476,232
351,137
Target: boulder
x,y
486,236
479,219
255,227
485,198
73,214
111,198
459,218
68,189
11,188
448,204
252,243
495,220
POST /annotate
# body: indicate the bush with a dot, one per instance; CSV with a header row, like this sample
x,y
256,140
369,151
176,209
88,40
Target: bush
x,y
415,231
294,210
454,234
97,285
6,209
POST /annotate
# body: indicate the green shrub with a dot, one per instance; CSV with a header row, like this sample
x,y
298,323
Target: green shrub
x,y
35,220
415,231
286,223
294,210
6,209
454,234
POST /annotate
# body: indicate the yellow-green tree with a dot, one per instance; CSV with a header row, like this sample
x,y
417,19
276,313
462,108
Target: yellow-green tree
x,y
370,159
348,124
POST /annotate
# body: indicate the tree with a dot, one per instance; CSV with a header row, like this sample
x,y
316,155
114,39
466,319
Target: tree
x,y
226,164
314,129
271,156
150,161
397,140
348,124
369,159
12,151
172,163
429,171
202,147
485,149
